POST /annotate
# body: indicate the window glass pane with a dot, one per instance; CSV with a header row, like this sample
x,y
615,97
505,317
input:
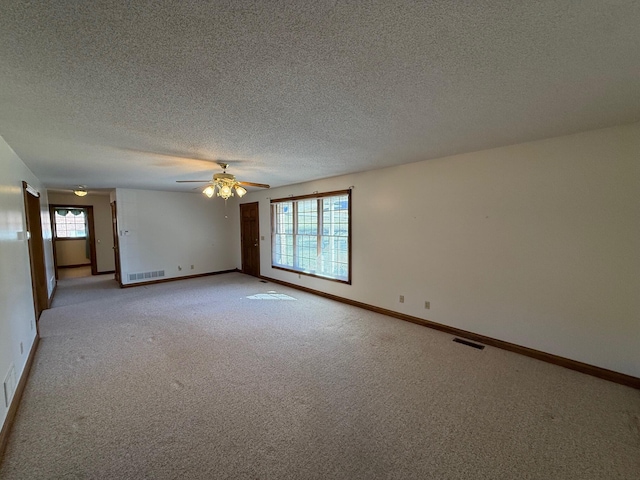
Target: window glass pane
x,y
307,250
284,217
308,217
283,250
311,235
70,222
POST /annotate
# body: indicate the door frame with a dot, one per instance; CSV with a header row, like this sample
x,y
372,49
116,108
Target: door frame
x,y
91,235
255,205
116,243
35,241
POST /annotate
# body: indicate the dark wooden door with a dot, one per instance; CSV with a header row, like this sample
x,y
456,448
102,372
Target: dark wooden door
x,y
250,238
116,243
36,249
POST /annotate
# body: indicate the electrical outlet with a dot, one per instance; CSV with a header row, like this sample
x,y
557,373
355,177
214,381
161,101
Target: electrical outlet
x,y
427,305
21,349
179,268
401,298
191,267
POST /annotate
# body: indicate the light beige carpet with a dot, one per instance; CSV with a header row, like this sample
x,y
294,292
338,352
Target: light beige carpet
x,y
218,378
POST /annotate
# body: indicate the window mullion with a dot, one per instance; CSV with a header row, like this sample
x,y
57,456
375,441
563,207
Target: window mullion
x,y
274,233
295,234
319,233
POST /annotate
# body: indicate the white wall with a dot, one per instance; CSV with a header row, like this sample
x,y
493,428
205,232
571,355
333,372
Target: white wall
x,y
102,222
534,244
17,317
165,230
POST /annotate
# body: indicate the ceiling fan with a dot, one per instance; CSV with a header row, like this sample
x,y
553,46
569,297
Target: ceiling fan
x,y
226,183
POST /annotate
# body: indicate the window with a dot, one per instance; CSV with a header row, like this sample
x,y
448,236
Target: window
x,y
70,222
312,235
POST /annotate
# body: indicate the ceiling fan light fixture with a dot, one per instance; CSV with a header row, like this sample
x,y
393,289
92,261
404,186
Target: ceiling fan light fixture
x,y
224,185
209,191
240,191
81,191
225,192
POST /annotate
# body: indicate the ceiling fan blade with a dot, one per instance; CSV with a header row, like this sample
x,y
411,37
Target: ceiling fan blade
x,y
193,181
251,184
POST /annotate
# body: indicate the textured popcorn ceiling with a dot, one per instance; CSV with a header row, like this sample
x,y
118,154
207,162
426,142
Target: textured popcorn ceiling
x,y
140,94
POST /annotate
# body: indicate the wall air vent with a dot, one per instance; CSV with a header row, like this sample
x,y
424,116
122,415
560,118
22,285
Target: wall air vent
x,y
9,385
468,343
145,275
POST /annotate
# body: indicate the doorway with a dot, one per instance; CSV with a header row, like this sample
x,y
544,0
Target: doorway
x,y
250,238
73,232
36,249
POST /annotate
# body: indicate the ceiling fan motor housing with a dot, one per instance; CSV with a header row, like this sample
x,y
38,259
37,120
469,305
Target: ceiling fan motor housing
x,y
224,177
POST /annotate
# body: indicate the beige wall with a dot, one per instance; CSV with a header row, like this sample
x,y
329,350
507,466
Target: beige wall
x,y
71,252
534,244
102,222
172,231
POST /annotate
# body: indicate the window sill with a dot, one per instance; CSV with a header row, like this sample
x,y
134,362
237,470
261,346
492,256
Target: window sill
x,y
299,272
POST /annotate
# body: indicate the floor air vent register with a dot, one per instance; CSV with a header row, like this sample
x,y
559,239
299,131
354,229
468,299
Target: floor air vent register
x,y
468,343
146,275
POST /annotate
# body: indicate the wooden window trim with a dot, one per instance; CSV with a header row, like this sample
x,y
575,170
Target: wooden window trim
x,y
66,239
54,230
314,195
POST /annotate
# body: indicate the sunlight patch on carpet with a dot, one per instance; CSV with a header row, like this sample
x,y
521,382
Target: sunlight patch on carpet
x,y
270,296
